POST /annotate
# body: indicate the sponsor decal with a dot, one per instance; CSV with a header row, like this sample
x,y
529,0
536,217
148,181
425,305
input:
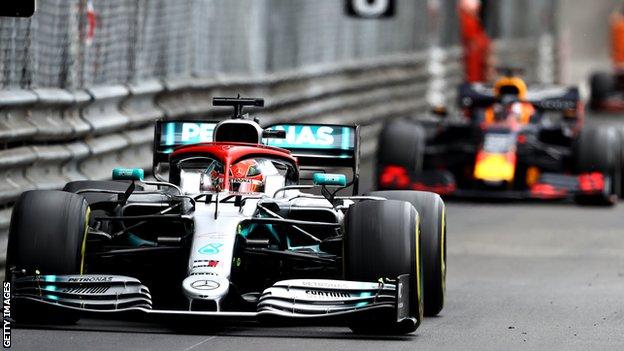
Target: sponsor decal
x,y
90,279
196,132
327,293
205,284
210,249
314,137
324,284
6,314
214,236
183,133
498,142
205,263
89,290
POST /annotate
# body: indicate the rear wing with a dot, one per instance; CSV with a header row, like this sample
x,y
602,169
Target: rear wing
x,y
551,98
319,146
316,146
170,134
555,98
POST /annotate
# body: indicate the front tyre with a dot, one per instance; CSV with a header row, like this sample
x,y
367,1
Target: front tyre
x,y
598,150
381,241
47,236
432,214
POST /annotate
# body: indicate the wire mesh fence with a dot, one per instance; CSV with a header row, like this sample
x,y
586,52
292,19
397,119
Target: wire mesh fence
x,y
80,43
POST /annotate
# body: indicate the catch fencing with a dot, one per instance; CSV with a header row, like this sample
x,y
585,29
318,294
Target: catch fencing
x,y
82,81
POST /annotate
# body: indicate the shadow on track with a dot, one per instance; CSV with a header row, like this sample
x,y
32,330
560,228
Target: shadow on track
x,y
209,328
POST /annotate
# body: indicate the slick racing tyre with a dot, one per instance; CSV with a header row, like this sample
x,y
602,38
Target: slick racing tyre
x,y
401,143
601,85
381,241
93,197
598,150
431,211
47,236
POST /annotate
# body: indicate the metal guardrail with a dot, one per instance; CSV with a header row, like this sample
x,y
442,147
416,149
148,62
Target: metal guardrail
x,y
52,136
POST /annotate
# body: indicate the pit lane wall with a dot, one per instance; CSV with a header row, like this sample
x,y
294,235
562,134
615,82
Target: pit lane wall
x,y
81,84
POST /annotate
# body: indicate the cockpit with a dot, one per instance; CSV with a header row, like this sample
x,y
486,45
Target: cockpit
x,y
199,174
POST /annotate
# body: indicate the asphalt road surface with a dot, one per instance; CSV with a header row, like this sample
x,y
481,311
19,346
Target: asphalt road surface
x,y
520,276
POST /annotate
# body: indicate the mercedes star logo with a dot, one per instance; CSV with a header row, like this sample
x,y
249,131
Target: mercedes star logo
x,y
204,284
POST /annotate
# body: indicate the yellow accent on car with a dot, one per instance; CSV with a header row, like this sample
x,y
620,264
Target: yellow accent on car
x,y
494,167
419,277
532,175
84,240
442,253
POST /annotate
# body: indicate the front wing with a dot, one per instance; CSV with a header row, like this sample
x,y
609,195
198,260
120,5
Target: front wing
x,y
309,300
550,186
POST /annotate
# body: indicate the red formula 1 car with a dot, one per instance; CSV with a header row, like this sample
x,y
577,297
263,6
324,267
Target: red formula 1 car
x,y
508,142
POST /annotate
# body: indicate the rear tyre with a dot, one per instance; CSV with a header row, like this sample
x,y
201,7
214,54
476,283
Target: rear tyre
x,y
599,150
381,240
601,85
401,143
47,236
432,214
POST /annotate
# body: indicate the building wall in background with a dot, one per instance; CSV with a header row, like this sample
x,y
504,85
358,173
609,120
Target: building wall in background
x,y
583,29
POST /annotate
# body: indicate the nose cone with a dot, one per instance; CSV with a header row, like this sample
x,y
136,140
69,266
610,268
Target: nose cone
x,y
494,167
205,287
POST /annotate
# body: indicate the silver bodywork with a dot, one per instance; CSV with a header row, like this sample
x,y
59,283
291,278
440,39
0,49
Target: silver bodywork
x,y
216,227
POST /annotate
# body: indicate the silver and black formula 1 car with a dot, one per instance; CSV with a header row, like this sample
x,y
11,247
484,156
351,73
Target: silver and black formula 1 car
x,y
227,231
507,142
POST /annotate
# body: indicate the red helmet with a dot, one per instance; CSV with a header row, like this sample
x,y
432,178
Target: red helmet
x,y
246,176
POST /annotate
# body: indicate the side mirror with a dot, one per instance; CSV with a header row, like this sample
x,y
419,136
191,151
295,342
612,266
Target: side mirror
x,y
329,179
128,174
273,134
439,111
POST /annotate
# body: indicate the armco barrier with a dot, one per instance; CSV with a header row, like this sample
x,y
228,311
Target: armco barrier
x,y
46,171
14,112
140,106
13,165
52,136
104,112
47,115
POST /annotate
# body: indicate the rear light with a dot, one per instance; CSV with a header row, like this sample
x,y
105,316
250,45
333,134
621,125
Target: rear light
x,y
522,139
394,177
591,182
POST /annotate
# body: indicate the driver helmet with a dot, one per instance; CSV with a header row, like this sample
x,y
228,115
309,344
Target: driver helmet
x,y
251,175
510,86
246,176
